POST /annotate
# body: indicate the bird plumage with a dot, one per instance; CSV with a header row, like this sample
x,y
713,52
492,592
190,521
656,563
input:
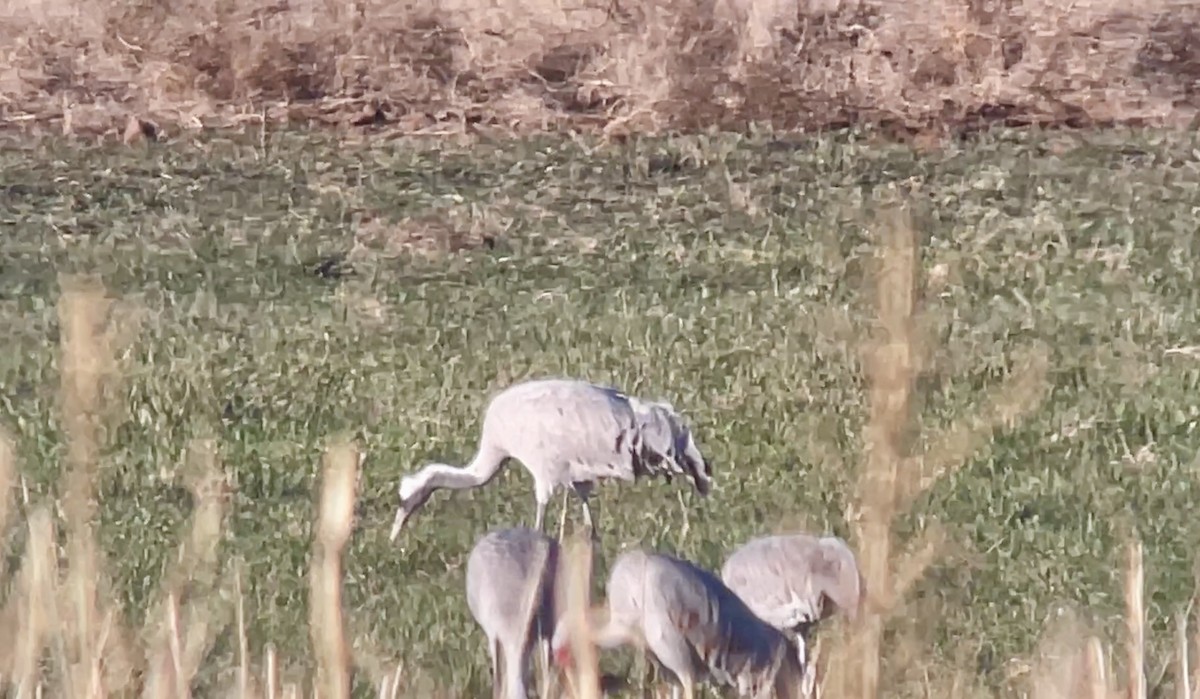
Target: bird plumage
x,y
567,433
791,580
692,625
794,581
511,578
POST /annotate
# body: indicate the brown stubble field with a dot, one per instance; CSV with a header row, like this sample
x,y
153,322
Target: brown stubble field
x,y
622,66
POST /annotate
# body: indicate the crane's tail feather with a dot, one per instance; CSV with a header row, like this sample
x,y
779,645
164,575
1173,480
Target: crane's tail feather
x,y
699,469
664,445
685,456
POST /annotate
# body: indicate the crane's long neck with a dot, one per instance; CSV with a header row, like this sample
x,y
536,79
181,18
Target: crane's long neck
x,y
482,469
416,489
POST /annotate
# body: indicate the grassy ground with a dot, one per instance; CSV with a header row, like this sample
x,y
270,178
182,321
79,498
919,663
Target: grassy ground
x,y
292,289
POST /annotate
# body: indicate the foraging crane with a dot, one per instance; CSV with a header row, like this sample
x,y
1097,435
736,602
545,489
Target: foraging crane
x,y
511,576
692,625
567,433
793,581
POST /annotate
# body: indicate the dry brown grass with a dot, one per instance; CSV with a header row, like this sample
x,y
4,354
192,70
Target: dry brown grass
x,y
624,66
896,469
334,521
58,605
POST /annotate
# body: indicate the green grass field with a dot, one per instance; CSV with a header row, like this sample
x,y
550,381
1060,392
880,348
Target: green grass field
x,y
726,275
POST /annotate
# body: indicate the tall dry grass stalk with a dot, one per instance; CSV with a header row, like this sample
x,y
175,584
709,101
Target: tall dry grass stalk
x,y
575,598
1183,674
70,613
1194,654
66,613
335,519
1135,621
36,614
1096,680
180,633
8,488
1071,662
9,619
270,672
894,474
243,654
891,365
95,657
85,360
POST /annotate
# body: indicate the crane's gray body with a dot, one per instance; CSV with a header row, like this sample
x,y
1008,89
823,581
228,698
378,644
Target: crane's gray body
x,y
792,581
511,576
696,628
567,433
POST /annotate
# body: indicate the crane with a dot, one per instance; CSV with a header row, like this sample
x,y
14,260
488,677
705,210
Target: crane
x,y
511,578
693,626
567,434
794,581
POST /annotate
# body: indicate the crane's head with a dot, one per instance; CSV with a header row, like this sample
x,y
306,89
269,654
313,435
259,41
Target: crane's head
x,y
684,451
838,576
413,494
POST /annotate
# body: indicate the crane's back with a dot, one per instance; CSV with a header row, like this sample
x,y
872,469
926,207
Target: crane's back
x,y
662,589
785,577
502,570
773,576
557,423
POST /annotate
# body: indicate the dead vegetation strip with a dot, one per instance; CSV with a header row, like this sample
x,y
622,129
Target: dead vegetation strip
x,y
615,66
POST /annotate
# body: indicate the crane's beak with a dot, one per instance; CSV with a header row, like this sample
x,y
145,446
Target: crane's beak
x,y
406,510
402,515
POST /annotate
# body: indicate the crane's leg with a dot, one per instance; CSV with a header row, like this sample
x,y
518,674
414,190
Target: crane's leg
x,y
494,651
562,517
812,657
516,667
544,688
648,677
683,690
584,491
541,515
587,516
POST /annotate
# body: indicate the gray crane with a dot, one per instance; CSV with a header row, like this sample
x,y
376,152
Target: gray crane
x,y
511,579
567,434
794,581
692,625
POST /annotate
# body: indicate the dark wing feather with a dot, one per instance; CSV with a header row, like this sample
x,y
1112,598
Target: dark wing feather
x,y
663,445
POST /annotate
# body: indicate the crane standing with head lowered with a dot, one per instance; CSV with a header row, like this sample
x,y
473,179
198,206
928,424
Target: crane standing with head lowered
x,y
511,582
692,625
794,581
567,434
